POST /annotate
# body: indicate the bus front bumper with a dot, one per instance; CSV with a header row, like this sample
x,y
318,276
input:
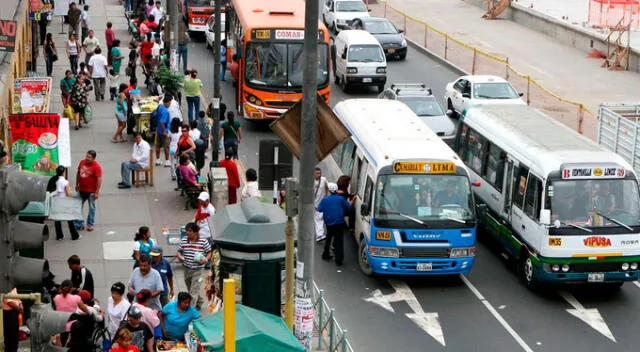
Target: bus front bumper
x,y
255,112
410,266
197,27
583,277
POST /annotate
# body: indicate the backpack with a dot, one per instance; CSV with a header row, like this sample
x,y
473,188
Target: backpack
x,y
205,131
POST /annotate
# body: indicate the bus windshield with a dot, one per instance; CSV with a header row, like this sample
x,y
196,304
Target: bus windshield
x,y
280,65
423,198
199,3
594,203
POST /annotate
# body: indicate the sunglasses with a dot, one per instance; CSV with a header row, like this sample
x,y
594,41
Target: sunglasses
x,y
185,130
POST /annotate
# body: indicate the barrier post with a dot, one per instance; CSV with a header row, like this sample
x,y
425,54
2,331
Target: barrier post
x,y
506,68
581,118
426,29
446,45
404,23
385,10
332,330
229,301
528,90
320,310
473,63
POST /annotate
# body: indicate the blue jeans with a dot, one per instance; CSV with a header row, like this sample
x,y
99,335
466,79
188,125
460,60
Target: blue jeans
x,y
223,70
127,5
90,197
125,171
182,56
193,103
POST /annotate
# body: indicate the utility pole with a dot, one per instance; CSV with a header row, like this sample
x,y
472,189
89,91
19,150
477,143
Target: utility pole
x,y
216,83
174,25
306,230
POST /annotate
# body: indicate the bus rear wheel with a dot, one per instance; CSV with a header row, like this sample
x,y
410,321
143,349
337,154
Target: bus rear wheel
x,y
527,271
363,259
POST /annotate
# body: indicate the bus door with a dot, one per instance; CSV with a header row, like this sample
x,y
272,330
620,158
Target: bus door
x,y
508,190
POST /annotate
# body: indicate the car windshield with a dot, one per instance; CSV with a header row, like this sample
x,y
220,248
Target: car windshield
x,y
379,27
423,198
365,53
281,64
588,203
350,6
498,90
423,106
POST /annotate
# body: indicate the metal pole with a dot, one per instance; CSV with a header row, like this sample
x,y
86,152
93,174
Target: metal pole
x,y
174,17
306,231
229,301
289,238
216,81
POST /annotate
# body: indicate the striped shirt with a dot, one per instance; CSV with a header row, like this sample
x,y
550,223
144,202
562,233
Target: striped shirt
x,y
189,251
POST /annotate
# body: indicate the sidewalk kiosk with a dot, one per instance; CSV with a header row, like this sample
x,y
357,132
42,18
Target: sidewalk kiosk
x,y
250,239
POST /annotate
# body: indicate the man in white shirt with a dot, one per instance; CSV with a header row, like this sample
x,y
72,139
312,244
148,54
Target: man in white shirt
x,y
174,110
98,68
90,43
204,212
320,190
139,160
157,12
84,22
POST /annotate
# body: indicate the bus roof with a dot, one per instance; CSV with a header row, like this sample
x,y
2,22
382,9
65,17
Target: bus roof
x,y
276,14
387,130
531,135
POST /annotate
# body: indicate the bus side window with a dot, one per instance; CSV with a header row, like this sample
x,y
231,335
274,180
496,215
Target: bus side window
x,y
476,153
337,153
368,188
363,175
494,168
519,186
461,146
348,155
533,197
355,175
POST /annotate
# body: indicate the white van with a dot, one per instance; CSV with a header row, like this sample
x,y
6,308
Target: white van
x,y
339,13
358,60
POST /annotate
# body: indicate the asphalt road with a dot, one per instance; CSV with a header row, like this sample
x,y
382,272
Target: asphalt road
x,y
488,310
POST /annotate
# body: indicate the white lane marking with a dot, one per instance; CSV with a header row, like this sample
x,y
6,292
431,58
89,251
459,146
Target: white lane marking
x,y
636,283
540,71
590,316
497,315
428,322
484,44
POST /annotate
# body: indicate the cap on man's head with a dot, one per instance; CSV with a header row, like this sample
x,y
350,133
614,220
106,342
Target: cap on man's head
x,y
332,187
135,312
156,251
204,196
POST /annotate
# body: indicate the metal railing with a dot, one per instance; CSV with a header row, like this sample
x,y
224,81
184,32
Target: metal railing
x,y
474,61
330,335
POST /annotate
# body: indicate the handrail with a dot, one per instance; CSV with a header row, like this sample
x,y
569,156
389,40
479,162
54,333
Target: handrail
x,y
329,332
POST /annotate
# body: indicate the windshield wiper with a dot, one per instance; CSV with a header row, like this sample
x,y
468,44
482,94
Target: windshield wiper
x,y
452,219
576,226
410,217
613,220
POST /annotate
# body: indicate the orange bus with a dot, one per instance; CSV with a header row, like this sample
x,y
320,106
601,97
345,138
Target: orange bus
x,y
196,13
268,38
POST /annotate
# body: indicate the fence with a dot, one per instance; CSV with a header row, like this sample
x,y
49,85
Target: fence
x,y
476,61
330,334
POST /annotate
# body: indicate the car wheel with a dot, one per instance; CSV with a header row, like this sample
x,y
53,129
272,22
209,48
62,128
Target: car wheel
x,y
343,84
363,259
527,271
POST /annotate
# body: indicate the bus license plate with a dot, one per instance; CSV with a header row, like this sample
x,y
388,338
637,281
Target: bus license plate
x,y
424,266
595,277
366,80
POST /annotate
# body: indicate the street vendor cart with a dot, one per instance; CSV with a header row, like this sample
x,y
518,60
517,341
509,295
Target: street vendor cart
x,y
142,108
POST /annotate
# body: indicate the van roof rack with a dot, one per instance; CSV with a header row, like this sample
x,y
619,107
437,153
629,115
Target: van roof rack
x,y
397,87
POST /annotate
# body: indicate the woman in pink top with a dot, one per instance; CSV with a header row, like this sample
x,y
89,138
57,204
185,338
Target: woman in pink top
x,y
66,302
149,316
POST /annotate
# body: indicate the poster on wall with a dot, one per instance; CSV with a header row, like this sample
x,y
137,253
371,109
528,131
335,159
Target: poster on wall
x,y
8,30
31,95
34,142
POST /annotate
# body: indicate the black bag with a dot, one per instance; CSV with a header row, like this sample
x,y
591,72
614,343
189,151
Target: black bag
x,y
54,57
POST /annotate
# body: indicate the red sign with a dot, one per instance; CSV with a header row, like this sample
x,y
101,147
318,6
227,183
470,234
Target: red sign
x,y
34,142
8,30
597,241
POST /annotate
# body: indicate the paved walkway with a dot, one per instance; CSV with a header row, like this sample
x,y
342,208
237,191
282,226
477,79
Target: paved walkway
x,y
561,69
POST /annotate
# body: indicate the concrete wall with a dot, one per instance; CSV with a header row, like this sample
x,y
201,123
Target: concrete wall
x,y
566,33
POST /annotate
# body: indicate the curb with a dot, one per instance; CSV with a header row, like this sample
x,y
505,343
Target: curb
x,y
436,57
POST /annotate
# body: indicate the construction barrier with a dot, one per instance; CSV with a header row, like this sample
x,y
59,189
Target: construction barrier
x,y
476,61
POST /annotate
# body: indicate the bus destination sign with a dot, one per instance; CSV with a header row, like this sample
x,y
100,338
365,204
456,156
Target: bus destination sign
x,y
280,34
592,172
289,34
423,167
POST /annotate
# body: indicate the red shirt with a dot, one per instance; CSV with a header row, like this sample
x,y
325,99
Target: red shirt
x,y
131,348
88,176
145,49
233,179
234,70
109,36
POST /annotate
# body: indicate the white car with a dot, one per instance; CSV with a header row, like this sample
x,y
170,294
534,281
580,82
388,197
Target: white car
x,y
339,13
210,33
468,91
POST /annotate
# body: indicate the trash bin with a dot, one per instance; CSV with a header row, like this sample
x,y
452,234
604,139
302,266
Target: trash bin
x,y
250,238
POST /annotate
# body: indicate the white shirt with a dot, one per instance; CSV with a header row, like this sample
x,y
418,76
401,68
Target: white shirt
x,y
319,190
115,314
173,145
155,51
194,134
141,153
157,13
250,190
174,110
61,186
114,80
90,43
84,19
98,65
73,47
205,231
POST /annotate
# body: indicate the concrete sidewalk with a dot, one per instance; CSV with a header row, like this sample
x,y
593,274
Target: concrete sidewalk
x,y
561,69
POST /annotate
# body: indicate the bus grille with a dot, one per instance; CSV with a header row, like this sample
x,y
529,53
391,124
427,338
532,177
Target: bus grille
x,y
280,103
597,267
424,253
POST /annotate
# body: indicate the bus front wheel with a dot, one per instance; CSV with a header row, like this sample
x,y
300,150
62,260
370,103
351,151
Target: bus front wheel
x,y
527,271
363,259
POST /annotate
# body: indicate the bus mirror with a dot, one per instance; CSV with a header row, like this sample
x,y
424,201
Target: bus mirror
x,y
450,113
545,217
364,209
344,55
476,183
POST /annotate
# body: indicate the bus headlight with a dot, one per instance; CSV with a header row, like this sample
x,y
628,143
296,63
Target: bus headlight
x,y
565,268
624,266
254,100
352,70
555,267
634,266
462,252
381,70
384,252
